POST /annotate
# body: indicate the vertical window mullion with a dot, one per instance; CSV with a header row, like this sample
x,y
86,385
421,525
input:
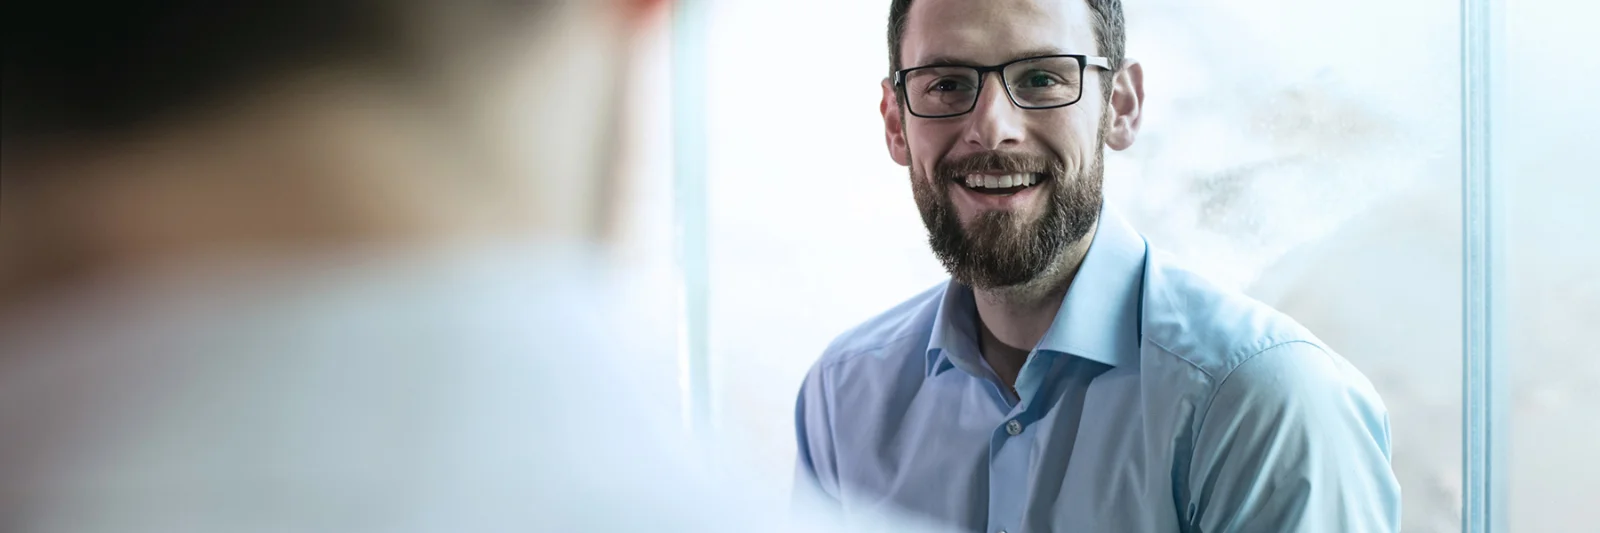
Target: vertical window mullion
x,y
1484,387
691,206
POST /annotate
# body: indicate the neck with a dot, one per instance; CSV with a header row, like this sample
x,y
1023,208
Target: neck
x,y
1013,319
283,176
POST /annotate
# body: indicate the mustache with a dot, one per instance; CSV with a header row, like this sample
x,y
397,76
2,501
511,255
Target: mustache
x,y
997,162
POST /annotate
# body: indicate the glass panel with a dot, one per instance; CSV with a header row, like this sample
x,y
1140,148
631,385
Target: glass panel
x,y
813,228
1552,230
1320,172
644,230
1308,154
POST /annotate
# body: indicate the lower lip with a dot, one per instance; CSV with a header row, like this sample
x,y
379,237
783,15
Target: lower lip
x,y
983,201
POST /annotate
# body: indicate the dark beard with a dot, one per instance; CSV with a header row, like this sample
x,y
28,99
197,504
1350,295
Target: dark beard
x,y
998,249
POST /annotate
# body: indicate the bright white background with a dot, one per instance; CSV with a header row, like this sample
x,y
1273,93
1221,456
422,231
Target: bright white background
x,y
1307,153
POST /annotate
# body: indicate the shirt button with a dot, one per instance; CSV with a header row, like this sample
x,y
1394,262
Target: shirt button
x,y
1014,428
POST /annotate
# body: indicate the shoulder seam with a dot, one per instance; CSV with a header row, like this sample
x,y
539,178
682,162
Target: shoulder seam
x,y
1217,387
1213,377
1247,359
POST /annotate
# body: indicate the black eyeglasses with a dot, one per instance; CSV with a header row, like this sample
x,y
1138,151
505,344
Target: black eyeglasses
x,y
1043,82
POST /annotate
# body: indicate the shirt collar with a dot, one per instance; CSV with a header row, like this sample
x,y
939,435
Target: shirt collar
x,y
1098,319
954,331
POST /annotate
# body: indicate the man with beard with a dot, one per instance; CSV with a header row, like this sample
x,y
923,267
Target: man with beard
x,y
1067,378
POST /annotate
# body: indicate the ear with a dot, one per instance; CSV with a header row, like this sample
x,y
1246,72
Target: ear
x,y
894,126
1126,106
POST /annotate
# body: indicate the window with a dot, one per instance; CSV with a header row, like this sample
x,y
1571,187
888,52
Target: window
x,y
1551,267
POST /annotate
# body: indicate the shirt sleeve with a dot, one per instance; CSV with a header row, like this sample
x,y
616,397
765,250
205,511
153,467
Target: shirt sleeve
x,y
815,482
1295,440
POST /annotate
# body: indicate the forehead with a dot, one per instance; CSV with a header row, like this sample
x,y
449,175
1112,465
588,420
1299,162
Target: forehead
x,y
986,32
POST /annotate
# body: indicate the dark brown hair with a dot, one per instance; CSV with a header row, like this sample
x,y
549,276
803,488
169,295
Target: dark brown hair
x,y
79,69
1108,29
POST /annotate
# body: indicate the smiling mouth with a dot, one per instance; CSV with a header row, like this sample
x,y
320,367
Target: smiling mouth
x,y
999,184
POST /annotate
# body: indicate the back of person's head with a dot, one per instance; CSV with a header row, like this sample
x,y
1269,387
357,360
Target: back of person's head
x,y
430,383
169,130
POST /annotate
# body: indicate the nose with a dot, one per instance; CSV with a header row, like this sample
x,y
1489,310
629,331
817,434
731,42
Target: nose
x,y
994,122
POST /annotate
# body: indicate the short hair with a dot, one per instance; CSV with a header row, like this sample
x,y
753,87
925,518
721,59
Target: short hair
x,y
84,69
1109,30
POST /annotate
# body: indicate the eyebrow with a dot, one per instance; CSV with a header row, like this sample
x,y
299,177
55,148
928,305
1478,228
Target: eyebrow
x,y
952,61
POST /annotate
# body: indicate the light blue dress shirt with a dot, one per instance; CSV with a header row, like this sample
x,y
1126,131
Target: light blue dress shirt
x,y
1156,402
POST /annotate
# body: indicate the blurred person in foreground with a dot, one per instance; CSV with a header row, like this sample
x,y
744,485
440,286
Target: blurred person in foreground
x,y
326,266
1067,378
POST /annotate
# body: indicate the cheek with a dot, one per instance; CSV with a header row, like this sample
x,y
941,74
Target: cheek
x,y
1074,136
930,143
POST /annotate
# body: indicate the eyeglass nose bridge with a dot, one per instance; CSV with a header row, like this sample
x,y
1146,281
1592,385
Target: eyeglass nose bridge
x,y
983,79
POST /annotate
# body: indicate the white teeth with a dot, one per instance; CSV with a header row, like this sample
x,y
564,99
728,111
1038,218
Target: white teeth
x,y
982,181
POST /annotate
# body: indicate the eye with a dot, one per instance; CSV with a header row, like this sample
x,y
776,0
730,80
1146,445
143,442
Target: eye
x,y
1039,79
948,85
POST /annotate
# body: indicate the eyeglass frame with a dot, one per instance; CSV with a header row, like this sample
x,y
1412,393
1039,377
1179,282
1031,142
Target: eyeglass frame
x,y
1084,62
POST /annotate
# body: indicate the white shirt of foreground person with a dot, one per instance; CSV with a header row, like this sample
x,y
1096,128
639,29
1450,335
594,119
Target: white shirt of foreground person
x,y
478,392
